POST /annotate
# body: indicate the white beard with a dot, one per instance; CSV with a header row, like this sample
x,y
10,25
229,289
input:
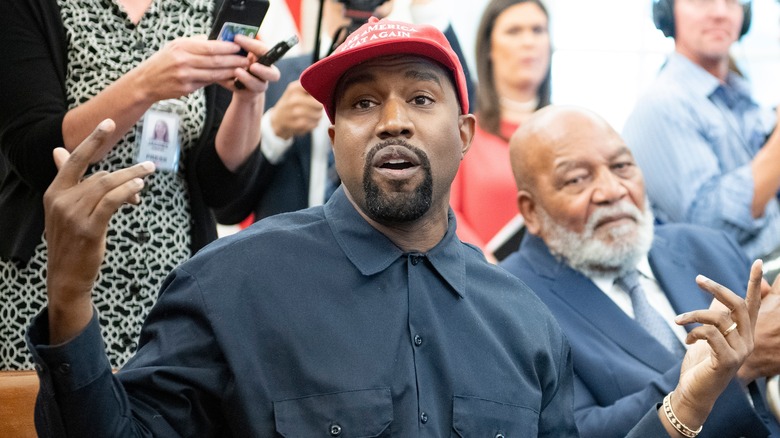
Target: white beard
x,y
624,246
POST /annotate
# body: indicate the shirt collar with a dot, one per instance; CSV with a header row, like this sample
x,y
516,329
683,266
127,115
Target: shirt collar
x,y
371,252
605,282
694,78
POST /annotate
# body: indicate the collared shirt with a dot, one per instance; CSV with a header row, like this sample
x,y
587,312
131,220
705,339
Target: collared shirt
x,y
653,292
313,323
694,138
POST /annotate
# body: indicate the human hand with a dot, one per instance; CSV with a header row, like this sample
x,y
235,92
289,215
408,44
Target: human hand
x,y
77,213
713,360
765,360
188,64
253,80
295,113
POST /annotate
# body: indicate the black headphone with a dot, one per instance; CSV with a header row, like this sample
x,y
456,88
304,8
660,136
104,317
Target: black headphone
x,y
663,17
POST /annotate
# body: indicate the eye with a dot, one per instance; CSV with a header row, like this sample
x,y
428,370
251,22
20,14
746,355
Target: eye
x,y
364,104
539,30
623,167
422,100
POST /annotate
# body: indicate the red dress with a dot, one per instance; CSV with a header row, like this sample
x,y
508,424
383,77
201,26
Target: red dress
x,y
484,193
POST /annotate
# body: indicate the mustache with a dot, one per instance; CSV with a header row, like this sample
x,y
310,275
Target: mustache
x,y
624,208
395,142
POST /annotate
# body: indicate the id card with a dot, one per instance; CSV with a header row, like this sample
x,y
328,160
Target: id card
x,y
159,136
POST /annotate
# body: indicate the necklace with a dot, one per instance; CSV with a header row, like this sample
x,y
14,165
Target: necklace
x,y
519,106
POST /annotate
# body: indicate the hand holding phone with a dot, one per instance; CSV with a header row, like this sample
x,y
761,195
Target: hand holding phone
x,y
272,55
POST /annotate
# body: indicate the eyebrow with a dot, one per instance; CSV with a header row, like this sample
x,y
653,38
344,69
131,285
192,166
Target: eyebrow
x,y
574,164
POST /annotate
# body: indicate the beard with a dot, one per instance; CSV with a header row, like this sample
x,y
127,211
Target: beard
x,y
397,206
615,253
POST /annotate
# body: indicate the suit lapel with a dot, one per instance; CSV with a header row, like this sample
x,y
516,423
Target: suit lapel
x,y
587,300
677,276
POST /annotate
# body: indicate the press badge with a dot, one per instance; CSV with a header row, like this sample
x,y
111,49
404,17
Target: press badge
x,y
158,139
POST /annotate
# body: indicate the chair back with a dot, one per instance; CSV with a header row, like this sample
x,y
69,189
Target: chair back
x,y
18,390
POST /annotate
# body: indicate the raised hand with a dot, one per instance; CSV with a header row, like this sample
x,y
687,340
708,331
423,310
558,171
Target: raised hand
x,y
296,112
765,360
721,345
77,213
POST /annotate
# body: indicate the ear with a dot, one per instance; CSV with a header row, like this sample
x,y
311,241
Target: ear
x,y
527,206
332,134
467,124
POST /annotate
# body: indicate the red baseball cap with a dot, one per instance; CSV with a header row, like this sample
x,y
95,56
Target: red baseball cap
x,y
380,38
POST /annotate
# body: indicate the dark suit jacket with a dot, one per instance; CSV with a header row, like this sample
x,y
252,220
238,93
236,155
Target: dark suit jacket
x,y
619,368
284,186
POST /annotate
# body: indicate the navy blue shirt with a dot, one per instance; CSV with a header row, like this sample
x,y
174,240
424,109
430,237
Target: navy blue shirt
x,y
313,323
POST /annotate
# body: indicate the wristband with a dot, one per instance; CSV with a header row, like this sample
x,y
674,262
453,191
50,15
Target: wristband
x,y
676,423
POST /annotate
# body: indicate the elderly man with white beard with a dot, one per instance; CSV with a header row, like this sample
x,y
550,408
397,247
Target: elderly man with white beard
x,y
615,281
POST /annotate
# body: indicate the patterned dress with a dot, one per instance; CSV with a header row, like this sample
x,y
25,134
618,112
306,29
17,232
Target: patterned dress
x,y
144,242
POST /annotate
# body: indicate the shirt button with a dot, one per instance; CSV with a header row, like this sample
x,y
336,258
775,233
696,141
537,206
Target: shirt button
x,y
415,260
143,236
423,417
139,46
335,430
499,435
417,340
64,368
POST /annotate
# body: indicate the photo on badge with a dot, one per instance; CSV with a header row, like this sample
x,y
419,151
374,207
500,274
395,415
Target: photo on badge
x,y
159,140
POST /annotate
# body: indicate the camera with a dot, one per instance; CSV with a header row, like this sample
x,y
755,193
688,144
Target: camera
x,y
359,11
361,5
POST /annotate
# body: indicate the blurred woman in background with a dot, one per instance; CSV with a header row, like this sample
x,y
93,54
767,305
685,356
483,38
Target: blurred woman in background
x,y
513,54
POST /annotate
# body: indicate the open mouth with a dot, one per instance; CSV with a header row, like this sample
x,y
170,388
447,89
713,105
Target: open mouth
x,y
396,161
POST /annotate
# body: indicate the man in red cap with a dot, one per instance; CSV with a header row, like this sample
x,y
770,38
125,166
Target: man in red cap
x,y
363,317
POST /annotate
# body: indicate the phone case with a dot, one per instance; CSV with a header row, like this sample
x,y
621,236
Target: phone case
x,y
245,14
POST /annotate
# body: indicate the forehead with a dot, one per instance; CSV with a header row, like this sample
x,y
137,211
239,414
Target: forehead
x,y
526,13
412,67
583,142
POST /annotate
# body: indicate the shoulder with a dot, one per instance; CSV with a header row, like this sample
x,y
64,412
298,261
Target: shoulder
x,y
262,240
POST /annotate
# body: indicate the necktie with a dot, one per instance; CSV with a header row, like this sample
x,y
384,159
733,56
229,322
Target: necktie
x,y
647,316
332,180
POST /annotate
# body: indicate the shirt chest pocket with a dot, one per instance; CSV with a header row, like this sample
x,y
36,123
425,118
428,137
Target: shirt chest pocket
x,y
477,417
364,413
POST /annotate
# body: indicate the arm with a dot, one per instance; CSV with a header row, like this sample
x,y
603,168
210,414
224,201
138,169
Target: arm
x,y
766,172
79,394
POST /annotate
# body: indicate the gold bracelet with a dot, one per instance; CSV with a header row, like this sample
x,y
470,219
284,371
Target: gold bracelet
x,y
676,423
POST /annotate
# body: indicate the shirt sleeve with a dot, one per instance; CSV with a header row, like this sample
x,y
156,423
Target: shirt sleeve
x,y
32,94
171,387
273,146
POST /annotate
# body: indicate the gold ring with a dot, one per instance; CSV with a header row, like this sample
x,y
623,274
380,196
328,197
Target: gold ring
x,y
731,328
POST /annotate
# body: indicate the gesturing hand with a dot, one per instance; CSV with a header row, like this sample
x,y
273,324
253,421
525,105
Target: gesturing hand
x,y
725,340
77,213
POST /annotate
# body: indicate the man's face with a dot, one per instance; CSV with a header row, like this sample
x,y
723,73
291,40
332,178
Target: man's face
x,y
398,137
706,29
588,201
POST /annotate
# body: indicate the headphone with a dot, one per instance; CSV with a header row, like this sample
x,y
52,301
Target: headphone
x,y
663,17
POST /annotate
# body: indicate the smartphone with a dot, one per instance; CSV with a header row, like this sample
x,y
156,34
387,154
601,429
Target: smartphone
x,y
238,17
273,55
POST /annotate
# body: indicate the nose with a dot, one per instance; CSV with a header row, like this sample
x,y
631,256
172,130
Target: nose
x,y
609,189
394,120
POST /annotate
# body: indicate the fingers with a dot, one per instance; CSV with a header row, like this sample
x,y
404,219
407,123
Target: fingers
x,y
753,295
73,166
116,189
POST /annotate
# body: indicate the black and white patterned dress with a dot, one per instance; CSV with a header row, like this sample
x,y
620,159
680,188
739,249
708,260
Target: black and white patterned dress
x,y
144,242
